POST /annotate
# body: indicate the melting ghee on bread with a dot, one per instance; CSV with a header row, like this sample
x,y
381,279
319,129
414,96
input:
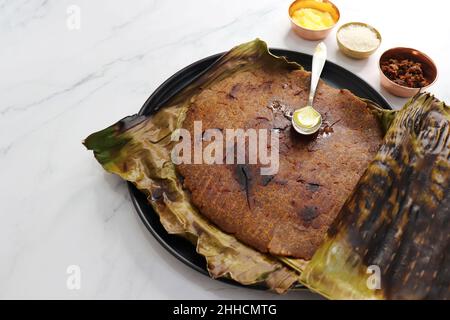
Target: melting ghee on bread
x,y
306,118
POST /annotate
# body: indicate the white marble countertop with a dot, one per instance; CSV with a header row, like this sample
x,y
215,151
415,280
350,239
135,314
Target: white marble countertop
x,y
58,84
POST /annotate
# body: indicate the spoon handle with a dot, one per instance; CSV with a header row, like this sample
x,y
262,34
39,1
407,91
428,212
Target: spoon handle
x,y
319,58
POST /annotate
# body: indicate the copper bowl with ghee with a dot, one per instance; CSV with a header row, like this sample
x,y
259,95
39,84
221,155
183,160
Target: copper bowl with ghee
x,y
323,6
429,70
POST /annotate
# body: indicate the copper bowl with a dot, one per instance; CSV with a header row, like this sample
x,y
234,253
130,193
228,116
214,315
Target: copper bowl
x,y
310,34
428,67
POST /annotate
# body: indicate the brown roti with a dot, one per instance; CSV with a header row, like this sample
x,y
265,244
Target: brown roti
x,y
286,214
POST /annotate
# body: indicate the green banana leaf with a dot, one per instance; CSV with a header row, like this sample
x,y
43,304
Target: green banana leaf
x,y
391,239
137,148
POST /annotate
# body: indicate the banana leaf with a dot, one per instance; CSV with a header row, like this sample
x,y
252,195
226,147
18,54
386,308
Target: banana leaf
x,y
391,238
137,148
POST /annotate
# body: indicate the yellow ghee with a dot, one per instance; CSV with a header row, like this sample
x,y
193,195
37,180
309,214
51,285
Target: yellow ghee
x,y
313,19
306,118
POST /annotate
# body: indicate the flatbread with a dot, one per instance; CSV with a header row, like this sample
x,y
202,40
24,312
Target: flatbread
x,y
286,214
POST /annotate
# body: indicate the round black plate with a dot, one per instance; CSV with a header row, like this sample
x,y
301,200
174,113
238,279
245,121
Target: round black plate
x,y
333,74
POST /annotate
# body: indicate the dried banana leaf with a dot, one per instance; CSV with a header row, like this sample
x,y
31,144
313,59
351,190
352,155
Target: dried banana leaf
x,y
391,239
137,149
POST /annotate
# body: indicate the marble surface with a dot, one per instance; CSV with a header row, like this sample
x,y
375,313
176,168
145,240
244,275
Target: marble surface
x,y
59,83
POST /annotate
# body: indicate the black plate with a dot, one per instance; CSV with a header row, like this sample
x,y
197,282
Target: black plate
x,y
333,74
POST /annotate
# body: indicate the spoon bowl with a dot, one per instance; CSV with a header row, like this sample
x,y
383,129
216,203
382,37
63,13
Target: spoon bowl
x,y
307,128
